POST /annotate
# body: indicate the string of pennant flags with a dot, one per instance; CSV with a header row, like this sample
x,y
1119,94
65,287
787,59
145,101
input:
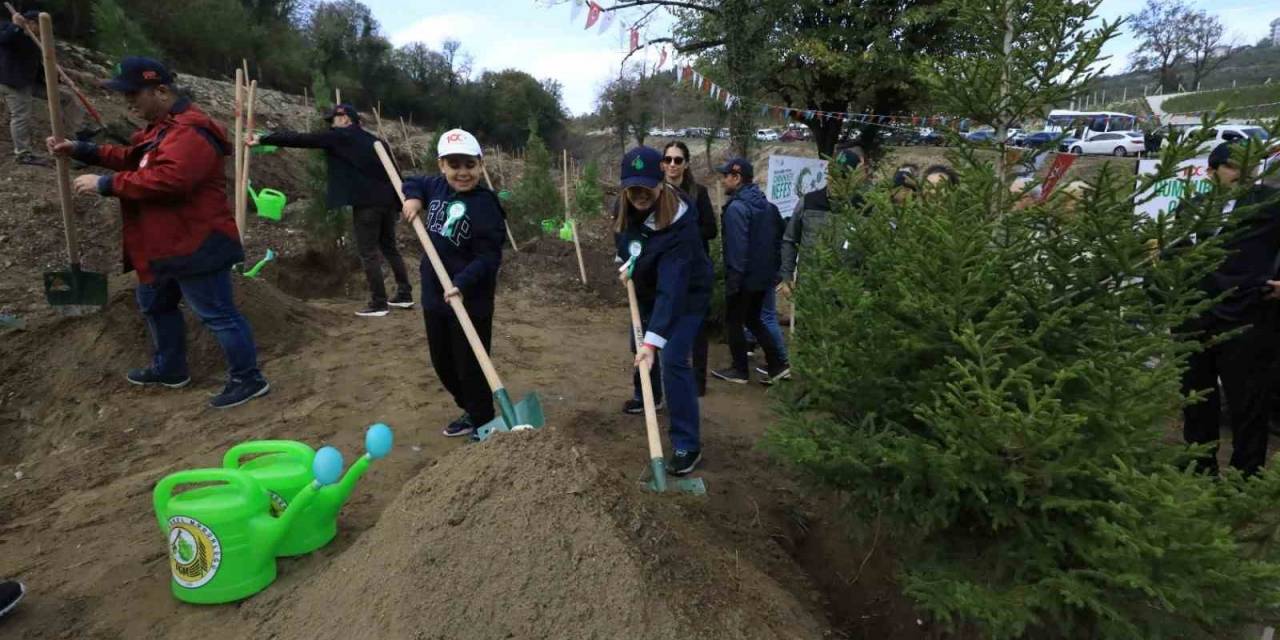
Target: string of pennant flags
x,y
603,21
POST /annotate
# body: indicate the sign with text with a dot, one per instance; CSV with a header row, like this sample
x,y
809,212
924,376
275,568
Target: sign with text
x,y
791,177
1192,178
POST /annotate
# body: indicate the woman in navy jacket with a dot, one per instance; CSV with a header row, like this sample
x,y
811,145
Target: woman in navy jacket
x,y
672,276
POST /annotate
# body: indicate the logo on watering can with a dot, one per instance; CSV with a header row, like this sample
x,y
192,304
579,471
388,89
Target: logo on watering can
x,y
194,552
278,504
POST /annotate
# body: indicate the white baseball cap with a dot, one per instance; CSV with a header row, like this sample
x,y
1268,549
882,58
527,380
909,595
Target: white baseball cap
x,y
457,142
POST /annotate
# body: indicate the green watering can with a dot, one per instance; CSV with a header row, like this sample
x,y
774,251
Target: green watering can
x,y
566,231
549,226
263,149
284,469
222,538
269,202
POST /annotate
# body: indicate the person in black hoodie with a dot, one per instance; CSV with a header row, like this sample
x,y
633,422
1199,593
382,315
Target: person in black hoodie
x,y
1242,363
658,224
467,225
356,179
752,246
21,78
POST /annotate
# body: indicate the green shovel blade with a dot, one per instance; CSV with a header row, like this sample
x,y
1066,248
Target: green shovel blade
x,y
528,412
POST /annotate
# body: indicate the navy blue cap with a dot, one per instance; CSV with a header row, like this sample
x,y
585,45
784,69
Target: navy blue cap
x,y
739,166
137,73
642,167
343,109
1220,155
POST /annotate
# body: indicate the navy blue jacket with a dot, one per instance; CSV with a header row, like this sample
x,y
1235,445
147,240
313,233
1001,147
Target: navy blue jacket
x,y
673,274
752,241
20,58
474,252
356,176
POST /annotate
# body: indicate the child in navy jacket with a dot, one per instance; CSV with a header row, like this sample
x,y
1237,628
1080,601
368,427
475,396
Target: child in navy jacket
x,y
672,276
466,224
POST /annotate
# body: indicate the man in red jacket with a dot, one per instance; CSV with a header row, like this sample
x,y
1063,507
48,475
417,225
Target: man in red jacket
x,y
178,230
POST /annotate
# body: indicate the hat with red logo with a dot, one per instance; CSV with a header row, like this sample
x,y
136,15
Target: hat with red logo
x,y
457,142
136,73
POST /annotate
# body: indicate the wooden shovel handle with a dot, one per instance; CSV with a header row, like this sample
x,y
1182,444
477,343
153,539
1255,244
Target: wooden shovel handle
x,y
646,385
245,159
459,309
55,119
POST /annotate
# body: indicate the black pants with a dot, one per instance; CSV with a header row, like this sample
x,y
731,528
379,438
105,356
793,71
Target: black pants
x,y
1244,366
375,230
456,364
742,309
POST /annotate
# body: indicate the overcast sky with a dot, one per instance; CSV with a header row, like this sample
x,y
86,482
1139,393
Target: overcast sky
x,y
541,40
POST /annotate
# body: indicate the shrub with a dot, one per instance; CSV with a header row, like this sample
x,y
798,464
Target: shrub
x,y
588,197
535,197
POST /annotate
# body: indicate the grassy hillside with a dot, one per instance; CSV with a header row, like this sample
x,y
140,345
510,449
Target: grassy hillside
x,y
1246,67
1233,99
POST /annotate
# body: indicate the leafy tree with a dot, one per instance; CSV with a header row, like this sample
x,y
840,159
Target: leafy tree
x,y
535,197
1163,42
588,197
629,104
1205,35
116,34
993,383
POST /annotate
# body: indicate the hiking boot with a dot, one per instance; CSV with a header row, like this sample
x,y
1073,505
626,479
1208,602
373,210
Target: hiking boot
x,y
771,376
11,593
401,301
463,426
635,407
239,391
729,374
34,160
374,311
148,376
683,462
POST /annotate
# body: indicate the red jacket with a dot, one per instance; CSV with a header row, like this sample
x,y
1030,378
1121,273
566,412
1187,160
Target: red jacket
x,y
172,190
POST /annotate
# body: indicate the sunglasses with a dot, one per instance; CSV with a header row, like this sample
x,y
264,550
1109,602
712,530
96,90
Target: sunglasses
x,y
676,160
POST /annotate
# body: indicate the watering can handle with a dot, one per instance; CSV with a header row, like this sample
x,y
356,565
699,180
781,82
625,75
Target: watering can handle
x,y
292,447
164,488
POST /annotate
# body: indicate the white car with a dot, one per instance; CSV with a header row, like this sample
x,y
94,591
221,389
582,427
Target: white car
x,y
766,135
1228,133
1112,143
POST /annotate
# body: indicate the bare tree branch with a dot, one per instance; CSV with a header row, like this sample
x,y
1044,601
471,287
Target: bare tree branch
x,y
664,3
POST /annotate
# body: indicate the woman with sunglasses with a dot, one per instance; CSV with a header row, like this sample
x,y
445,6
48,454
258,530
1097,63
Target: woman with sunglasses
x,y
661,244
675,167
466,224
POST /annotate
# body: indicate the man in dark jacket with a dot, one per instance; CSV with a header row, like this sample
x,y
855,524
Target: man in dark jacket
x,y
178,230
810,218
21,75
1243,363
357,179
752,241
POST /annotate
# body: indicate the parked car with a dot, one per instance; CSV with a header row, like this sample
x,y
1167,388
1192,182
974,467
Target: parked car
x,y
766,135
722,134
792,135
981,135
1066,144
929,136
1116,143
1228,133
655,132
1014,136
1038,140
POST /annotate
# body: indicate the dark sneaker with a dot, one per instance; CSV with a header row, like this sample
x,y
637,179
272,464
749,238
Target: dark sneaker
x,y
148,376
636,407
461,427
34,160
238,392
732,375
774,375
11,593
401,301
683,462
374,311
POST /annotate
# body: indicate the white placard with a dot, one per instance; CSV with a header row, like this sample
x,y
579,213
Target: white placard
x,y
1170,193
791,177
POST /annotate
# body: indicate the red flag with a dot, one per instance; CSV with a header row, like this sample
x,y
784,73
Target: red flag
x,y
635,39
593,14
1056,171
663,58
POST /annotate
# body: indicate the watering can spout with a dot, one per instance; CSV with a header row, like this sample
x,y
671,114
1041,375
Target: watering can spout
x,y
327,467
377,443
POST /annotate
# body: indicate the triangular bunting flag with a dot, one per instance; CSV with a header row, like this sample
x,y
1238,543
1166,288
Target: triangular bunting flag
x,y
662,59
575,10
593,14
606,21
635,38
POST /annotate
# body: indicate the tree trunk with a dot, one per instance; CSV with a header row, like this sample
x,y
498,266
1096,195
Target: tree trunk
x,y
826,134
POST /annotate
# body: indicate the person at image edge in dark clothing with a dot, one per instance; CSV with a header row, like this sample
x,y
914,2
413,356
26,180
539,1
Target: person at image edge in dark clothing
x,y
178,230
356,179
1243,363
11,592
466,224
752,246
672,277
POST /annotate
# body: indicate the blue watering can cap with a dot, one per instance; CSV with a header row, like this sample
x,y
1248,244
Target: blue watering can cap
x,y
327,466
377,441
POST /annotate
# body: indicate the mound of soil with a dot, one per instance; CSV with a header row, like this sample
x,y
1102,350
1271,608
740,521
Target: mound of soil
x,y
524,537
547,268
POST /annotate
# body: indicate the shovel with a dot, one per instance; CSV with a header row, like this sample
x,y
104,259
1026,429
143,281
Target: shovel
x,y
657,462
519,417
73,288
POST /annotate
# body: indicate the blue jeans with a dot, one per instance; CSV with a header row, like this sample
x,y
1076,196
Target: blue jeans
x,y
681,389
769,316
209,296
